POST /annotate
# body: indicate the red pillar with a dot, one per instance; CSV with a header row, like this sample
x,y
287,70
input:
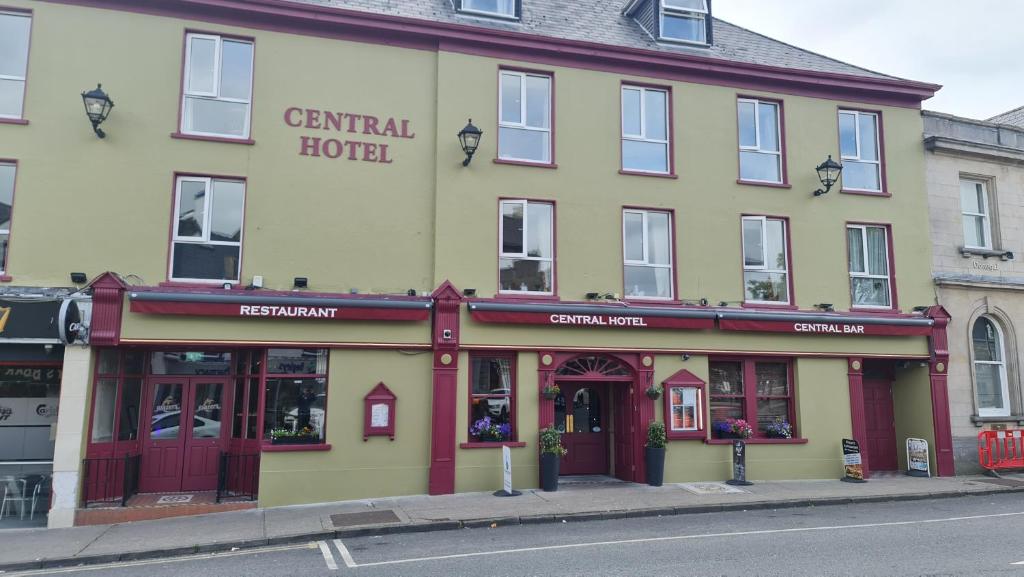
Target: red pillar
x,y
643,415
107,304
938,370
447,301
855,373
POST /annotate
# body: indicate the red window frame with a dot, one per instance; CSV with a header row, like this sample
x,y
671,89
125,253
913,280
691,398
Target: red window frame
x,y
894,302
670,120
686,380
115,446
791,303
551,119
265,376
674,298
512,357
171,280
30,14
883,177
782,143
750,397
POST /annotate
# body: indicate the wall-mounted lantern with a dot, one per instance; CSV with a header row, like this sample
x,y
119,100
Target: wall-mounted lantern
x,y
469,138
828,174
97,107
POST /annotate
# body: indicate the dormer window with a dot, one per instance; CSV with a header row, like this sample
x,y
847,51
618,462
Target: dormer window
x,y
685,21
499,8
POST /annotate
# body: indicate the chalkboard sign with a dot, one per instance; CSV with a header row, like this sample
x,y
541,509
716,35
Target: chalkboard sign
x,y
852,462
739,463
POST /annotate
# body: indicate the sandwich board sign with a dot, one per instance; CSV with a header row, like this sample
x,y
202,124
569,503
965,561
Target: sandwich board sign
x,y
852,462
917,458
506,471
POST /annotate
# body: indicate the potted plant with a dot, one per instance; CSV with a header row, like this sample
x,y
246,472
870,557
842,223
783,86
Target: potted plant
x,y
304,436
551,453
654,453
487,431
551,391
733,429
653,392
779,429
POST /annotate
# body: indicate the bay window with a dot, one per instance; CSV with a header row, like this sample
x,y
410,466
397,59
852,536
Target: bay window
x,y
645,130
870,282
860,148
760,141
15,29
492,398
974,207
759,392
295,396
207,235
524,117
526,259
990,382
765,260
684,20
647,248
217,97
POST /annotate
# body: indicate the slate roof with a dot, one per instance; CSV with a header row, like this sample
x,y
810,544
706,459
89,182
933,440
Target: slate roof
x,y
602,21
1014,117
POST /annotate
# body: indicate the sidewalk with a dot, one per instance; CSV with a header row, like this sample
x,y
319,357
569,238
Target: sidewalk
x,y
576,500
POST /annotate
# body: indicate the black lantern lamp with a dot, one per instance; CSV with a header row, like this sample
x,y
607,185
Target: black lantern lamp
x,y
469,137
828,174
97,107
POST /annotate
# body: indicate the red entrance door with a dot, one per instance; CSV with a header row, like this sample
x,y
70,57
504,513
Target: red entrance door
x,y
581,410
880,421
184,436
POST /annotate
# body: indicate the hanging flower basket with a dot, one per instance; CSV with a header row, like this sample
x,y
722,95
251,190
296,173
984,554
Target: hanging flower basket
x,y
550,392
653,392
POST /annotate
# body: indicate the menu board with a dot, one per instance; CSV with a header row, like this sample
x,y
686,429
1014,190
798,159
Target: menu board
x,y
852,461
379,415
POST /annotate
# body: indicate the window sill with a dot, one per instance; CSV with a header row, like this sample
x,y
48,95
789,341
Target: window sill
x,y
527,297
525,163
882,312
691,436
652,301
202,285
183,136
758,441
979,421
880,193
766,184
778,307
295,448
652,174
14,121
6,278
509,444
968,252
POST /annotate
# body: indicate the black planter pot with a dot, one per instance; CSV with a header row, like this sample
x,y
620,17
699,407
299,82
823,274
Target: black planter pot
x,y
549,471
654,459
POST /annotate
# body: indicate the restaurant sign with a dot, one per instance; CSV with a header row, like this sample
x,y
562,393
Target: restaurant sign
x,y
380,310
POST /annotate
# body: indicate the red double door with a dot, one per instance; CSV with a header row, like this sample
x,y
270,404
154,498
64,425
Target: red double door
x,y
186,422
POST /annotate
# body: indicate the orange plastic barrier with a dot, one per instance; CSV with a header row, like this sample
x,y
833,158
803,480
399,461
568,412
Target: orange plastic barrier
x,y
1001,449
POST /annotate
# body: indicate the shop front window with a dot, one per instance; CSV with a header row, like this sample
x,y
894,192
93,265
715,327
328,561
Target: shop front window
x,y
492,398
757,392
296,396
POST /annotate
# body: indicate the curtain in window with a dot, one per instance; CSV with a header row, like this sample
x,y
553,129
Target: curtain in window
x,y
853,236
877,251
504,373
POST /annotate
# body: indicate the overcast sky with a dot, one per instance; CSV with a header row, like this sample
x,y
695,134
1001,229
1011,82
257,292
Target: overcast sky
x,y
975,50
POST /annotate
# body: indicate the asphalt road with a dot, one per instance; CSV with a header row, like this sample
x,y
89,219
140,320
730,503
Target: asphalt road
x,y
968,536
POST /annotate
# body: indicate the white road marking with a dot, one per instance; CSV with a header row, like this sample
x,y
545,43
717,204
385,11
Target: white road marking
x,y
1018,563
682,538
345,555
328,556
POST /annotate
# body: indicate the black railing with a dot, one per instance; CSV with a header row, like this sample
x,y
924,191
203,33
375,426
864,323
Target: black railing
x,y
110,480
238,476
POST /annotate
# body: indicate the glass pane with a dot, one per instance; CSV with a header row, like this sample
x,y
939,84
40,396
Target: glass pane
x,y
647,156
216,117
560,412
748,128
190,363
105,392
772,379
538,101
131,405
769,116
506,7
871,292
14,33
776,249
525,275
760,166
586,412
656,114
972,197
490,419
492,376
191,208
631,111
207,411
726,378
226,220
878,251
634,235
12,92
855,245
206,262
770,411
847,135
861,175
868,137
238,410
989,385
201,65
520,144
539,219
295,408
974,231
683,402
658,238
6,195
766,286
134,362
987,344
511,228
753,245
166,402
108,362
726,408
648,281
297,361
236,70
254,402
683,28
511,98
687,4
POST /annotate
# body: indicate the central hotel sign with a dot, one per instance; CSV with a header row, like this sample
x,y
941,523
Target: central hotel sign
x,y
346,147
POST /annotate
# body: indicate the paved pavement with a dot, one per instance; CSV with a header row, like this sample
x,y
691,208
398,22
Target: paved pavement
x,y
34,549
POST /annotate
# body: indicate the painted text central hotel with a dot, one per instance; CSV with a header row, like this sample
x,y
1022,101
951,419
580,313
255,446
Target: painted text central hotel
x,y
296,288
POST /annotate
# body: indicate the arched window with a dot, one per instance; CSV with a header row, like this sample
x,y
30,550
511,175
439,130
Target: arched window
x,y
990,381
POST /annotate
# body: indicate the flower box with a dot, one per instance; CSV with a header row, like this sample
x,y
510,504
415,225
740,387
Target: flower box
x,y
298,440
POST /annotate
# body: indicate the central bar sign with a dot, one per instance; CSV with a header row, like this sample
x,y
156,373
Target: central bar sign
x,y
827,328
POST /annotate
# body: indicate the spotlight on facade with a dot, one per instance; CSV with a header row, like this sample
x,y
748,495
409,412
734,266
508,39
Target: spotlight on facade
x,y
301,282
469,138
593,296
921,309
470,292
97,107
79,278
827,307
411,292
828,174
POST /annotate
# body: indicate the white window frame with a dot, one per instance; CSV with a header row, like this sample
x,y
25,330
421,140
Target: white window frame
x,y
865,273
642,135
22,79
702,15
525,254
757,136
208,182
521,125
764,257
1004,383
512,16
698,409
985,216
647,252
878,146
187,92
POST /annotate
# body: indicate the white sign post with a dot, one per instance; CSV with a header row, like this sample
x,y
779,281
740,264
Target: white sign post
x,y
917,458
506,469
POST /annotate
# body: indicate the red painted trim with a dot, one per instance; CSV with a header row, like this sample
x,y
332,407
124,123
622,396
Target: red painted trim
x,y
445,385
28,61
15,121
783,161
513,395
6,278
858,414
499,294
764,184
750,397
524,163
380,394
224,139
670,121
893,296
173,221
551,109
939,345
791,304
107,307
769,307
758,441
685,379
509,444
527,297
294,448
31,363
672,247
883,179
10,225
